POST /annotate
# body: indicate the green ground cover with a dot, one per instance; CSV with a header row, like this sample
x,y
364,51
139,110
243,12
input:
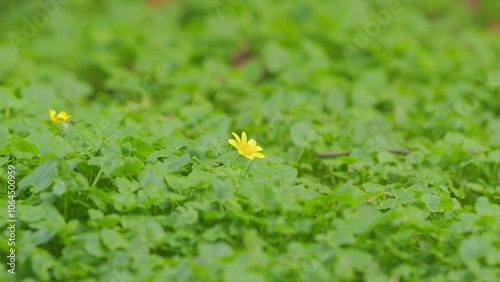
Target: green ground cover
x,y
141,184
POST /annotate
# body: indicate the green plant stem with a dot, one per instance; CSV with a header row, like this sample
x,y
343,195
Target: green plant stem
x,y
66,205
234,160
249,165
301,153
97,177
220,206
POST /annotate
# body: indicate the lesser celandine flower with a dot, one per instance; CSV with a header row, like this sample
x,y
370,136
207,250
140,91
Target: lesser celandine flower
x,y
58,117
246,148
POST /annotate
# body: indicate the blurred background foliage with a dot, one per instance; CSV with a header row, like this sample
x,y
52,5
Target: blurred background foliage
x,y
157,86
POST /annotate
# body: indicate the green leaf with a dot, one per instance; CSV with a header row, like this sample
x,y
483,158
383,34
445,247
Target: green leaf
x,y
22,149
151,178
109,162
175,163
41,177
136,147
43,262
302,133
92,244
484,207
131,166
275,56
31,213
432,202
48,143
112,239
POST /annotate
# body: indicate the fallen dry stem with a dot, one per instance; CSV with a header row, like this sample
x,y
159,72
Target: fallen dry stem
x,y
347,153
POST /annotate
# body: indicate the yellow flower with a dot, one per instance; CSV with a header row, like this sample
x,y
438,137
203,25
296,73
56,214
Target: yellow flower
x,y
248,149
58,117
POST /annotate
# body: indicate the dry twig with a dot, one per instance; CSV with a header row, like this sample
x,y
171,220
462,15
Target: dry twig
x,y
383,193
347,153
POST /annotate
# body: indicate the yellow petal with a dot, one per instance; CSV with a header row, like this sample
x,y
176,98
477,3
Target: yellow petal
x,y
233,142
52,114
236,137
249,157
243,137
257,148
252,142
259,155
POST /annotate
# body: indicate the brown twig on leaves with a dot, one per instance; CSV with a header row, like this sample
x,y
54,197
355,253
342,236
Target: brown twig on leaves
x,y
383,193
347,153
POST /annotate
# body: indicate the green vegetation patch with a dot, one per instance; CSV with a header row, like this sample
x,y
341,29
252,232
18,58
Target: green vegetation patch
x,y
375,152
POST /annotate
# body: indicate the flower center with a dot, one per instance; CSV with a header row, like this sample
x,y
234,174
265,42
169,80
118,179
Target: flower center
x,y
246,149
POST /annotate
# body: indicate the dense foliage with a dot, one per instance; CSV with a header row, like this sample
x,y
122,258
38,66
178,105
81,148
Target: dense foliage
x,y
141,184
